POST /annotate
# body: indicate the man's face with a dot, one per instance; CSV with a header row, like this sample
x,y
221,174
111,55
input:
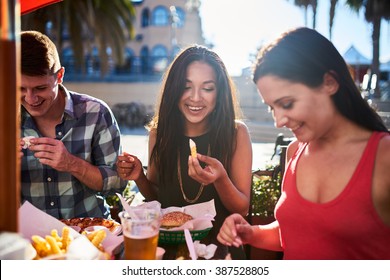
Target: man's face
x,y
39,94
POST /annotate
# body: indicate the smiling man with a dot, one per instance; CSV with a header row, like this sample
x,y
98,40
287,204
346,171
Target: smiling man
x,y
74,139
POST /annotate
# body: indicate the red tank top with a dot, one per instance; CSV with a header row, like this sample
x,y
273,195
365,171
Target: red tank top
x,y
346,228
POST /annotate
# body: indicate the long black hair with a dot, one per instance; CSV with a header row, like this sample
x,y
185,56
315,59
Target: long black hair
x,y
304,56
168,120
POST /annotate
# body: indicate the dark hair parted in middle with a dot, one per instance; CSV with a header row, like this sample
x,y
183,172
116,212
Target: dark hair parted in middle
x,y
168,120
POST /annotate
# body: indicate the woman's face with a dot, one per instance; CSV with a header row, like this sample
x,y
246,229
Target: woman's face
x,y
199,97
307,112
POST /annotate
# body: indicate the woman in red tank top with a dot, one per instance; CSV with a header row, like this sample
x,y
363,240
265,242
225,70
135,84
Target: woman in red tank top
x,y
335,201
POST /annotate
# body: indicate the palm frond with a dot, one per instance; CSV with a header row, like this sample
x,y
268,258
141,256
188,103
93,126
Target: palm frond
x,y
88,23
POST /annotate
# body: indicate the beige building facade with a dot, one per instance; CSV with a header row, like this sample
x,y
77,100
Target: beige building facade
x,y
161,28
160,32
170,24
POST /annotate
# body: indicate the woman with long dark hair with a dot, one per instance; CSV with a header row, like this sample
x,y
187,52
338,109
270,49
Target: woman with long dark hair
x,y
335,201
198,102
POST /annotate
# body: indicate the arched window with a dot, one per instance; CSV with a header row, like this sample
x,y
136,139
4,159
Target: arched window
x,y
160,58
159,51
160,16
145,18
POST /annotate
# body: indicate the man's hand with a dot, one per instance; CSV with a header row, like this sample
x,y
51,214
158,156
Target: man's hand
x,y
51,152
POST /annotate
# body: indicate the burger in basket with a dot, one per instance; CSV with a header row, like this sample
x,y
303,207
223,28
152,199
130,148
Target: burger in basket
x,y
197,218
174,219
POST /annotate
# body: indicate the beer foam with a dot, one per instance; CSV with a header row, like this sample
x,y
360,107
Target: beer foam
x,y
141,233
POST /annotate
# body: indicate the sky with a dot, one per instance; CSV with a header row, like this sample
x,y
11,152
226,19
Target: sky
x,y
238,28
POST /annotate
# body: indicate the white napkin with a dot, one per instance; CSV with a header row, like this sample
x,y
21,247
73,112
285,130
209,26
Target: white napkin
x,y
150,205
13,246
82,249
204,251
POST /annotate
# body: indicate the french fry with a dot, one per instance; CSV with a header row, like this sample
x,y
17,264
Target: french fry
x,y
42,250
66,239
41,246
56,244
54,233
99,237
54,248
37,239
193,148
91,235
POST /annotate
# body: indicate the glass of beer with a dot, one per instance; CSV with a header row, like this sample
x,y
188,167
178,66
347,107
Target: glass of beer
x,y
140,232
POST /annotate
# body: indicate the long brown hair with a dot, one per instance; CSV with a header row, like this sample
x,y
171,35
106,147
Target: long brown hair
x,y
303,55
168,120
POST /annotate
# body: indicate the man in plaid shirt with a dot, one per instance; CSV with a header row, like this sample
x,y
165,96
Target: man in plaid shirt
x,y
69,166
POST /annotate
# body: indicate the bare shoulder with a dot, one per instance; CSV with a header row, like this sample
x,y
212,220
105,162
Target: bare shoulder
x,y
242,131
383,153
381,191
382,164
152,139
152,134
241,125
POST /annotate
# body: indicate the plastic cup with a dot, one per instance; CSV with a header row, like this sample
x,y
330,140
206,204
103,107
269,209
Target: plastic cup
x,y
140,233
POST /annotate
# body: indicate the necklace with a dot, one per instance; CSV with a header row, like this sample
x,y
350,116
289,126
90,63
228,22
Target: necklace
x,y
181,183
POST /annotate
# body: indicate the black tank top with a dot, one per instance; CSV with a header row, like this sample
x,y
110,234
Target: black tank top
x,y
169,194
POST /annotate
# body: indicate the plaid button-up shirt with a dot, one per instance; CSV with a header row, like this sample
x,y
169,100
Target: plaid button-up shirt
x,y
89,131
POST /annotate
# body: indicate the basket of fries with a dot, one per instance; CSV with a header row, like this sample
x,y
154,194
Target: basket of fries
x,y
34,224
55,246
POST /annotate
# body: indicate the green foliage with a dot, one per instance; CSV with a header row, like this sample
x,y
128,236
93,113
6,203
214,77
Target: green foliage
x,y
128,194
266,193
113,200
85,24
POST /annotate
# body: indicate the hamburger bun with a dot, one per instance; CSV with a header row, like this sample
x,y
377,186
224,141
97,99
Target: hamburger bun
x,y
175,219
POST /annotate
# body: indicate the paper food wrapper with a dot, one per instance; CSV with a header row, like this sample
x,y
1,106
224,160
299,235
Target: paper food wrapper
x,y
203,214
33,221
204,251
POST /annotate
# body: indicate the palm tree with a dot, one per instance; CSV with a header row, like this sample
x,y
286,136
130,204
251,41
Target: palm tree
x,y
86,24
332,12
305,4
375,10
313,4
